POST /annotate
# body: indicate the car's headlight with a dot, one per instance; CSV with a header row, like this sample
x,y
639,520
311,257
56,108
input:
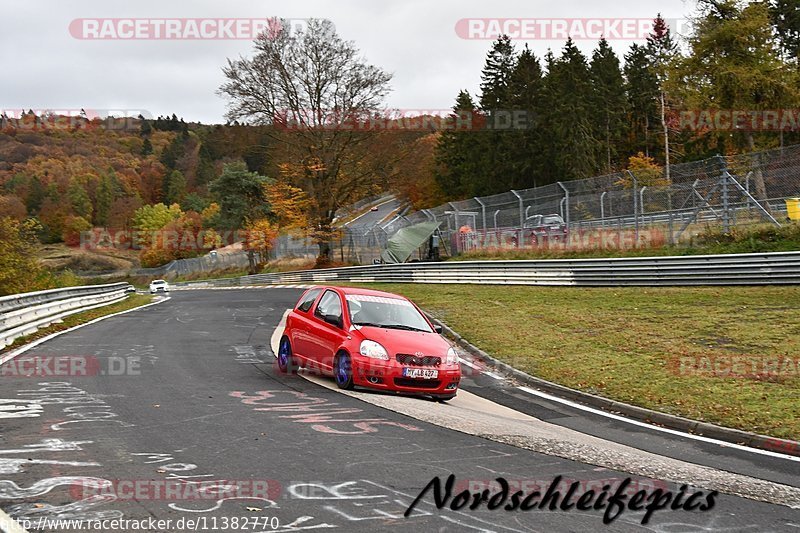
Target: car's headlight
x,y
373,350
452,356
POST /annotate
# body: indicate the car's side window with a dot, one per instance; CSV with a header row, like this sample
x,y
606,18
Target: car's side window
x,y
308,300
329,306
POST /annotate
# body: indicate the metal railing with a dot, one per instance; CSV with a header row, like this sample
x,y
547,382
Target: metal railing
x,y
23,314
781,268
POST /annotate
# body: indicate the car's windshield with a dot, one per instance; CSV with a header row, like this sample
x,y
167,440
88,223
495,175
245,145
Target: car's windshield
x,y
553,220
533,221
385,312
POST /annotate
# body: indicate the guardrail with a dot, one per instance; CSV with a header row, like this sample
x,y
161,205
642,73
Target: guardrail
x,y
781,268
23,314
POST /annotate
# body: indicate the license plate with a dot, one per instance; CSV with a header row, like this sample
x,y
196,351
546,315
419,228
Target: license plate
x,y
421,373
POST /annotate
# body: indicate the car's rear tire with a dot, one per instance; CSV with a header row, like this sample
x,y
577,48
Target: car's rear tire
x,y
286,363
343,371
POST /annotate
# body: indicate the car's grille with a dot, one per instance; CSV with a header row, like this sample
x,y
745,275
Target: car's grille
x,y
417,383
416,360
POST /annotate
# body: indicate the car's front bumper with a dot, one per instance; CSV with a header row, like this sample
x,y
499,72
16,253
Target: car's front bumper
x,y
388,375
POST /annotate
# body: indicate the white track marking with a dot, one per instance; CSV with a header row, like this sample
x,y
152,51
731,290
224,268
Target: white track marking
x,y
657,428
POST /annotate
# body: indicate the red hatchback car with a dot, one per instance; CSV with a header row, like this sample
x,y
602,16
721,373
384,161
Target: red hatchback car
x,y
369,339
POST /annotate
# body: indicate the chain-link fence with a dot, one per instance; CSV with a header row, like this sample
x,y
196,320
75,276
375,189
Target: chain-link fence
x,y
208,263
625,209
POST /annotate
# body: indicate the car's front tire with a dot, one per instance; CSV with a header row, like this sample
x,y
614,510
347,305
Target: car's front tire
x,y
286,362
343,371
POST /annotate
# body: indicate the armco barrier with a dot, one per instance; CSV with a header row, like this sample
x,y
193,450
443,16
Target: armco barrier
x,y
23,314
781,268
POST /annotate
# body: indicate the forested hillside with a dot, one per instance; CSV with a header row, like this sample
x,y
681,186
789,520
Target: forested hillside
x,y
731,86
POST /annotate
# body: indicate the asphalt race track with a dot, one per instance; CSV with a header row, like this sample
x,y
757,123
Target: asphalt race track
x,y
186,394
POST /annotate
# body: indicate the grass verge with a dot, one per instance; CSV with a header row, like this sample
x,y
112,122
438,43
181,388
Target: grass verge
x,y
727,356
131,302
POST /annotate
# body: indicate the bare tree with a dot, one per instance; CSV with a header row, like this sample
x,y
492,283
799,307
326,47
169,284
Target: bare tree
x,y
316,91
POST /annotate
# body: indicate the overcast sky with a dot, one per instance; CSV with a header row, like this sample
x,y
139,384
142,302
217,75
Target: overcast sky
x,y
45,67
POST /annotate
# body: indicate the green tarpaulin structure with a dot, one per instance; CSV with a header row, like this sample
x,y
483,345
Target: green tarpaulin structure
x,y
403,243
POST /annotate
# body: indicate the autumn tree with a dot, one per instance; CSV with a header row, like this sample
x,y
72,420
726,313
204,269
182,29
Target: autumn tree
x,y
311,85
73,227
647,171
290,205
174,187
122,212
785,16
12,206
19,269
662,51
260,238
734,64
240,194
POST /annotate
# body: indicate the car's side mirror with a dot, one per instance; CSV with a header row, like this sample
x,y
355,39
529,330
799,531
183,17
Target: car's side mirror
x,y
438,328
334,320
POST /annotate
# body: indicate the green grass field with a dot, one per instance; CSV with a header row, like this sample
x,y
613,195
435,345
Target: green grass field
x,y
728,356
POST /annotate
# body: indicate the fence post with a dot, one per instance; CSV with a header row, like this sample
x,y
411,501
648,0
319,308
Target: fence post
x,y
635,207
455,210
483,212
641,204
566,197
603,210
669,228
726,222
521,219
